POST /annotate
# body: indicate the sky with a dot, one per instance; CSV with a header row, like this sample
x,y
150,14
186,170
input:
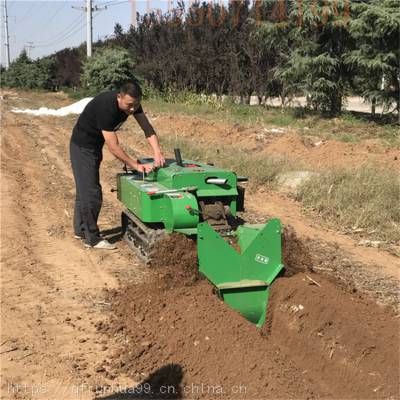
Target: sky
x,y
44,27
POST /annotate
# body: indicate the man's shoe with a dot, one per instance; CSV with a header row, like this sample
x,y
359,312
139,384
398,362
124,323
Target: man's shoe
x,y
103,244
79,237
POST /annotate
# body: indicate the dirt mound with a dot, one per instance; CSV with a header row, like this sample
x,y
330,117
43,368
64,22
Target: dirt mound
x,y
350,345
175,260
295,254
219,353
312,149
331,344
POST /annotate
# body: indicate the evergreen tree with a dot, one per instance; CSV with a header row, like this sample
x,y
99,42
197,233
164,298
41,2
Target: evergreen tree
x,y
317,41
107,69
376,29
274,33
27,74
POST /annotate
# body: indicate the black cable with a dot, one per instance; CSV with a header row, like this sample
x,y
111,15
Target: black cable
x,y
28,13
56,13
68,36
60,35
112,3
63,39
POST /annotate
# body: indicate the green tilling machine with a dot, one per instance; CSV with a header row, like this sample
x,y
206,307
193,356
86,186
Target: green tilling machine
x,y
201,200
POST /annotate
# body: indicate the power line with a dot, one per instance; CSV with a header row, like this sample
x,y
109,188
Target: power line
x,y
65,31
56,13
66,37
71,29
28,13
116,4
113,3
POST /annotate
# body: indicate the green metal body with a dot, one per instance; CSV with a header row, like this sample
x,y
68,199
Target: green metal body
x,y
170,196
242,279
164,196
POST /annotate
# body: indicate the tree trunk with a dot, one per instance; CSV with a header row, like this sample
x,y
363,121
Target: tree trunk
x,y
373,107
336,106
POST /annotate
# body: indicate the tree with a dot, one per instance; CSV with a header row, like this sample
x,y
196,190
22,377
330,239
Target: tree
x,y
68,66
27,74
274,34
118,30
317,40
107,69
376,28
44,73
18,72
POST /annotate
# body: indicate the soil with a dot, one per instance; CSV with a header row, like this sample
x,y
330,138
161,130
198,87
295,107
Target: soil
x,y
176,259
81,323
319,342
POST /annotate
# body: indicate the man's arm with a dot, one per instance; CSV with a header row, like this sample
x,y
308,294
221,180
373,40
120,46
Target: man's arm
x,y
151,135
159,160
112,142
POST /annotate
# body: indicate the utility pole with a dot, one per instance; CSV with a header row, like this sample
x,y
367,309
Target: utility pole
x,y
133,14
28,48
7,37
89,29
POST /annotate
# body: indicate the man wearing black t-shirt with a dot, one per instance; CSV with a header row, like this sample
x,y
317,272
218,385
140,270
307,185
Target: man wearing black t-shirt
x,y
97,125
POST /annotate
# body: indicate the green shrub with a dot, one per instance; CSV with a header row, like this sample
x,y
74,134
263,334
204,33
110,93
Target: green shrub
x,y
25,73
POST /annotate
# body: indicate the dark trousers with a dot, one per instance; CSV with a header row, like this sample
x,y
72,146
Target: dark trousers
x,y
85,167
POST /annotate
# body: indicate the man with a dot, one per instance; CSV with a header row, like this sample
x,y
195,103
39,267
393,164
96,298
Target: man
x,y
97,125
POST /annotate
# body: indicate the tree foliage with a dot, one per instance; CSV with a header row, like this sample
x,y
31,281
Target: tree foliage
x,y
68,67
313,41
321,49
28,74
376,28
107,69
207,48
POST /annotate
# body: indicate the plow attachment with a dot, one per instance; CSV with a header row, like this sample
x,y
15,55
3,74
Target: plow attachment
x,y
242,273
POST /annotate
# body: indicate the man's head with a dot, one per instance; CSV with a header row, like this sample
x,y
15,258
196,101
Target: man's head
x,y
129,97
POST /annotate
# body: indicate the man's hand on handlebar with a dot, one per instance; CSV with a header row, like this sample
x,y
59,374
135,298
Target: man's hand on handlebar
x,y
144,167
159,160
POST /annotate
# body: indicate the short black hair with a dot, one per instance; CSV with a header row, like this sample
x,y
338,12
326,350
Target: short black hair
x,y
131,88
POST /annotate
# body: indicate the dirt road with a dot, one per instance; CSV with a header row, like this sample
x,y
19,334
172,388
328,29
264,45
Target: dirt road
x,y
57,338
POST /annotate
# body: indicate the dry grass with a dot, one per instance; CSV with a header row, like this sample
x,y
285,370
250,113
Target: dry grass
x,y
261,170
364,200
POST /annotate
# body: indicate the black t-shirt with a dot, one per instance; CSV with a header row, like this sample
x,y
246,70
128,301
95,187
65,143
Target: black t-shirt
x,y
100,114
